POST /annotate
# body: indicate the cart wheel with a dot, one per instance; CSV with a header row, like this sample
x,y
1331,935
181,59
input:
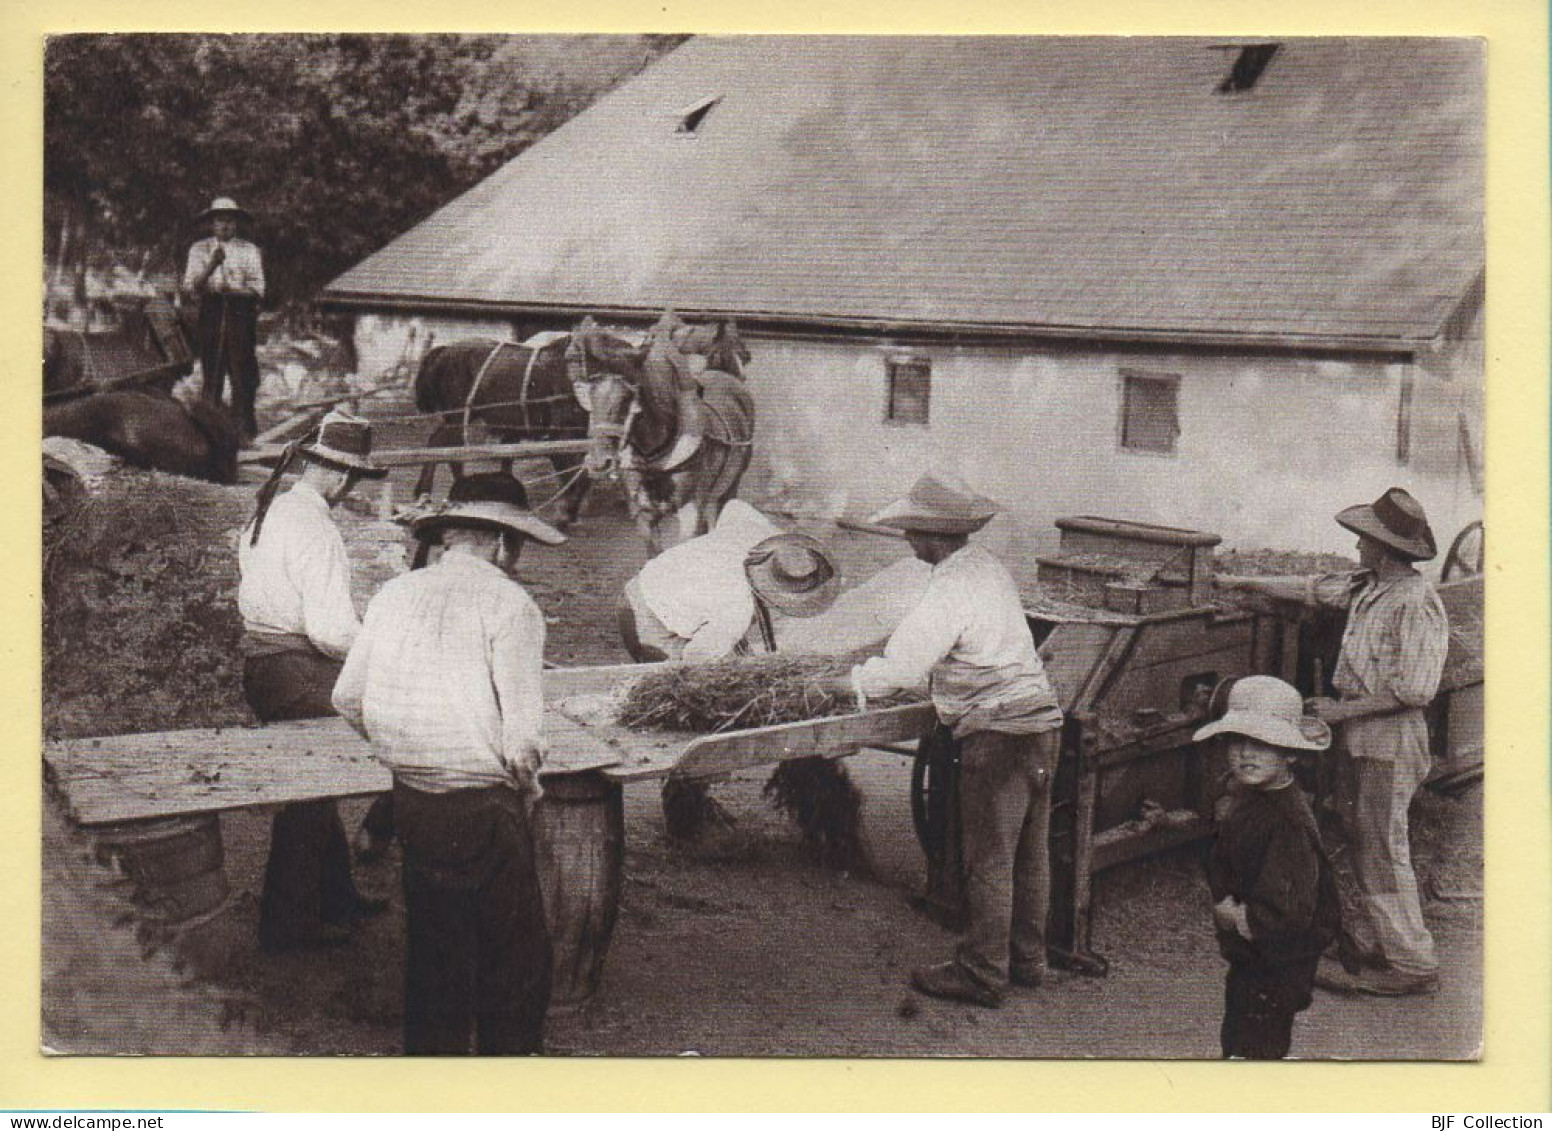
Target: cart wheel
x,y
1466,552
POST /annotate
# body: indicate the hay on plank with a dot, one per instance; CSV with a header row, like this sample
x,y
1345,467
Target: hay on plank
x,y
739,692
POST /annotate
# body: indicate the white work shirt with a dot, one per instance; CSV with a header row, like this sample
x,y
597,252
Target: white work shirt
x,y
969,642
699,589
445,679
241,271
297,579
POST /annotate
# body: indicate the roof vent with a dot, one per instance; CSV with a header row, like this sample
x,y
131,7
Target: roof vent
x,y
1252,60
691,117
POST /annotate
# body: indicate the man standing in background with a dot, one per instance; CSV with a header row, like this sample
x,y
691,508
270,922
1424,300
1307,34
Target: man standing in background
x,y
226,274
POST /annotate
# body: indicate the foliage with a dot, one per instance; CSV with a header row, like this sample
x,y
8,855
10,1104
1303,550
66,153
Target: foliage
x,y
338,143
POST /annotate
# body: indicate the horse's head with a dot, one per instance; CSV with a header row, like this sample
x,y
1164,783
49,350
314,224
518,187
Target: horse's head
x,y
718,342
605,373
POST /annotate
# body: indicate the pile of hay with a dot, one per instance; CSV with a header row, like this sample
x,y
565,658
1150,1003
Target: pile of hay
x,y
737,693
1275,563
140,624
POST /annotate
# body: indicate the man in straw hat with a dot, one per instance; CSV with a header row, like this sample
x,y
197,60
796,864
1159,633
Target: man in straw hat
x,y
713,595
445,682
1392,658
226,275
1275,906
716,595
298,620
968,640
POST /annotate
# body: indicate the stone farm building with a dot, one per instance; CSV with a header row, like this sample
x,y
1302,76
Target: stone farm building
x,y
1225,285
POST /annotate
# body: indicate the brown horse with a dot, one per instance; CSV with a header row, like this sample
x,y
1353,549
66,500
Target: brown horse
x,y
518,393
153,430
674,484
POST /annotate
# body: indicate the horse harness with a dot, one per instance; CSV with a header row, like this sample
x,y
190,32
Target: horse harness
x,y
535,346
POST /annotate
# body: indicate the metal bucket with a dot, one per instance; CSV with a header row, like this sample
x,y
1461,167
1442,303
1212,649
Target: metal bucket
x,y
177,865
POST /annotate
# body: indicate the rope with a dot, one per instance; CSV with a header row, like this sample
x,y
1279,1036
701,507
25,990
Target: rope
x,y
574,476
479,379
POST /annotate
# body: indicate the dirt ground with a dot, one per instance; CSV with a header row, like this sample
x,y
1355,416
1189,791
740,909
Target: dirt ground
x,y
744,945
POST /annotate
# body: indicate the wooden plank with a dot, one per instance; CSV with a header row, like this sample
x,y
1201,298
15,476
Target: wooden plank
x,y
137,776
715,755
416,457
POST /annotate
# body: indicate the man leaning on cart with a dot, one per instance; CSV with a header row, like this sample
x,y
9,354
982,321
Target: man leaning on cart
x,y
1392,658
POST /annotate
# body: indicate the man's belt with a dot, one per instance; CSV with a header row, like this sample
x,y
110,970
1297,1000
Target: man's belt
x,y
258,642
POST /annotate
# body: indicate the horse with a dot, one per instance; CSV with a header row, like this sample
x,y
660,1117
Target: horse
x,y
522,392
153,430
634,408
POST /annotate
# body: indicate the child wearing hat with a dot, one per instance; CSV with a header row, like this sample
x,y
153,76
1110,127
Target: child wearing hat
x,y
1275,906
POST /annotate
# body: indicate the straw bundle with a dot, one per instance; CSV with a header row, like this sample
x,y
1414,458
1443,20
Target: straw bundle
x,y
737,692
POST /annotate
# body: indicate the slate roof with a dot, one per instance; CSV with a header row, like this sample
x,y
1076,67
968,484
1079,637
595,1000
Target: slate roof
x,y
1079,186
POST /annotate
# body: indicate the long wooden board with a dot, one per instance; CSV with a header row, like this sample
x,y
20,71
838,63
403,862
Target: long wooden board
x,y
138,776
716,755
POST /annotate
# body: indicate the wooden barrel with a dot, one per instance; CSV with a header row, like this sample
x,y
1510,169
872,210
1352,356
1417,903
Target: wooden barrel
x,y
177,864
580,847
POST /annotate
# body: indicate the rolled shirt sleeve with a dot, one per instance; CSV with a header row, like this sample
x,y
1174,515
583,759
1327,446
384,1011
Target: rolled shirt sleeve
x,y
517,671
324,585
924,637
1414,667
350,688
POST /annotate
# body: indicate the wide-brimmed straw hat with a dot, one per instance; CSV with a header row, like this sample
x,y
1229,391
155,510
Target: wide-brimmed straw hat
x,y
937,505
225,205
1265,708
492,501
1397,520
344,441
793,574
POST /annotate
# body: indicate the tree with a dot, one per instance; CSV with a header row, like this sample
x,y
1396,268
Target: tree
x,y
337,142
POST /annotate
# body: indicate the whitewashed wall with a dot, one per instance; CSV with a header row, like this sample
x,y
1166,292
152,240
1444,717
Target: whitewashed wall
x,y
389,345
1269,449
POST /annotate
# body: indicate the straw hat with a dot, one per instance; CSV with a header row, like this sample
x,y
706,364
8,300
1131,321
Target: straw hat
x,y
225,205
792,574
493,501
1267,709
344,441
1397,520
937,505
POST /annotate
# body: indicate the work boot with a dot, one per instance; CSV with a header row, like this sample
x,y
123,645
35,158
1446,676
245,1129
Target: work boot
x,y
953,982
1030,977
1381,983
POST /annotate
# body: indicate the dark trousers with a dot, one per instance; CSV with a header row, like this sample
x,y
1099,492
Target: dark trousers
x,y
1260,1001
477,961
307,878
228,343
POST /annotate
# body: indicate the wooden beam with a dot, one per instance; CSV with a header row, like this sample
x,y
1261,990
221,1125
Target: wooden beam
x,y
416,457
134,777
717,755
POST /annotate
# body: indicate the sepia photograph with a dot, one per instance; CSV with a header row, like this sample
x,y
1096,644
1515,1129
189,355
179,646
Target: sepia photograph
x,y
763,546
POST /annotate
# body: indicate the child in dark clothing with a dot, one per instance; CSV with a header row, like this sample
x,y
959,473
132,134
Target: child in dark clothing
x,y
1275,908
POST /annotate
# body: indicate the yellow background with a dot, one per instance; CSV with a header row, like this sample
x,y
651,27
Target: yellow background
x,y
1514,1073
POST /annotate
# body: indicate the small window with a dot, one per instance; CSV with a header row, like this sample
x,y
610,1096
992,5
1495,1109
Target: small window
x,y
1150,419
910,389
691,117
1404,423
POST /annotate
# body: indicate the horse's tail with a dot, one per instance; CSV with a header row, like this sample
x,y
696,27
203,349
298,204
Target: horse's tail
x,y
428,381
222,438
